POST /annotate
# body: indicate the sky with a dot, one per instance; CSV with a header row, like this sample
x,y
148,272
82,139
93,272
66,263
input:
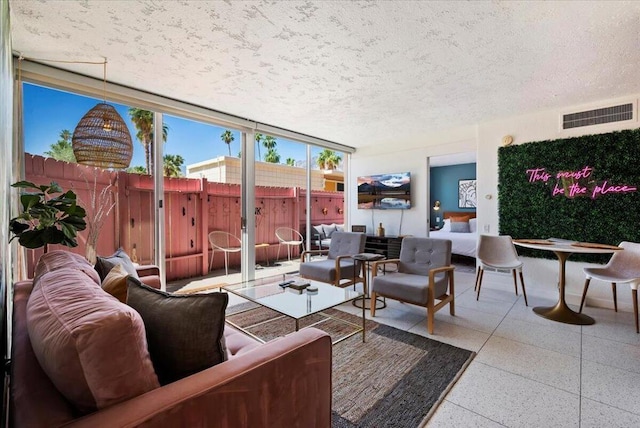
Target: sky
x,y
48,111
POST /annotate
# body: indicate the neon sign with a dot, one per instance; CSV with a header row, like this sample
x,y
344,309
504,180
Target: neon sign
x,y
572,184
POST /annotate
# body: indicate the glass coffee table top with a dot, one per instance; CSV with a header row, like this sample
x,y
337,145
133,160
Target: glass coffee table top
x,y
292,303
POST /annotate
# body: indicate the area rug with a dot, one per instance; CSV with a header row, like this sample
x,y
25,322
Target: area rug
x,y
395,379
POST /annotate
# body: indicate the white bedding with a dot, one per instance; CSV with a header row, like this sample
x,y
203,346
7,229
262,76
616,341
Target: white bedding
x,y
461,243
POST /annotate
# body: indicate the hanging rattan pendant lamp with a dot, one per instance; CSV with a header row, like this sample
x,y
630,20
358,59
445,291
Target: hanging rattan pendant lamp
x,y
102,138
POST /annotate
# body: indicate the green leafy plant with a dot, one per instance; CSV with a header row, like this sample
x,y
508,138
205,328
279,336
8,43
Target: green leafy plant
x,y
47,219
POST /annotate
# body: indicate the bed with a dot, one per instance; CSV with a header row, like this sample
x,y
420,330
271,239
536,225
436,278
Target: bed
x,y
463,244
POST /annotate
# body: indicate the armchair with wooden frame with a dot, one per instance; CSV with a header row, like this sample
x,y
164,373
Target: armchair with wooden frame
x,y
339,265
424,274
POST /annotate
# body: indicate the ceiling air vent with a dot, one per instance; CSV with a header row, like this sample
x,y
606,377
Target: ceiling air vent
x,y
598,116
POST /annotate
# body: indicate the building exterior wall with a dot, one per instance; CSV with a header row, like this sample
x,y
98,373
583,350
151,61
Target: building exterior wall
x,y
225,169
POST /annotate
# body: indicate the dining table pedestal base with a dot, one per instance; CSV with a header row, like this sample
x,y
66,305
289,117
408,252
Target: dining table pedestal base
x,y
562,313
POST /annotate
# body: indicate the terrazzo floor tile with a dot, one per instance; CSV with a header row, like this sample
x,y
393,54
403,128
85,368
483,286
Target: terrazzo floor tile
x,y
453,334
565,342
485,304
451,415
611,325
512,400
550,368
470,318
611,353
608,385
594,414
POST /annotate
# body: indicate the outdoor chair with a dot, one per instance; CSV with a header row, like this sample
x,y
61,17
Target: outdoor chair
x,y
424,274
623,267
498,252
225,242
289,237
339,264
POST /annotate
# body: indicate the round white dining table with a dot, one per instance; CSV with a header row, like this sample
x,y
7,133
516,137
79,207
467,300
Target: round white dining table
x,y
560,311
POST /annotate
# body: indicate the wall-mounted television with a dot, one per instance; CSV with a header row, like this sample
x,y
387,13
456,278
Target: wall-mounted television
x,y
385,191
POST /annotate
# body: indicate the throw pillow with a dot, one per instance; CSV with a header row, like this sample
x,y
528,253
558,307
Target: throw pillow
x,y
460,227
185,332
105,264
92,347
115,283
328,229
57,259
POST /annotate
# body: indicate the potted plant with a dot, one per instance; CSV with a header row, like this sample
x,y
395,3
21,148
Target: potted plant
x,y
47,219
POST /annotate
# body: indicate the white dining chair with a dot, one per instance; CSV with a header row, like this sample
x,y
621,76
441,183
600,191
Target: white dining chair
x,y
498,252
623,268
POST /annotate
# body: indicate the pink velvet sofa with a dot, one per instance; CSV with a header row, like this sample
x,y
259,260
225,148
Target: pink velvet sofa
x,y
283,383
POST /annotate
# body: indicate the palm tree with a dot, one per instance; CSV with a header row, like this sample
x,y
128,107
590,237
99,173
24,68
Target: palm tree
x,y
227,138
143,121
291,162
258,141
63,149
269,142
272,156
172,165
328,159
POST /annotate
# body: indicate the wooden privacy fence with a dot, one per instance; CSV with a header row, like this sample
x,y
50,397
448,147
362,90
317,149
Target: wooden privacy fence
x,y
193,208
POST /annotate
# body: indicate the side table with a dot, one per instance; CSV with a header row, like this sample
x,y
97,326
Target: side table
x,y
366,259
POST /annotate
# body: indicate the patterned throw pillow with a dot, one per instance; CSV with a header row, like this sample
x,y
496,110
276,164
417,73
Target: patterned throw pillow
x,y
185,333
105,264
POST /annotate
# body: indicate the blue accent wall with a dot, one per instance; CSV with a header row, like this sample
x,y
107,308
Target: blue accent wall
x,y
443,187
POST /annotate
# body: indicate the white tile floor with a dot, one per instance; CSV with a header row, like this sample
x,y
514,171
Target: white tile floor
x,y
529,371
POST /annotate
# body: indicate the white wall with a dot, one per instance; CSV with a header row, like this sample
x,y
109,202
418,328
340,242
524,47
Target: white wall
x,y
485,139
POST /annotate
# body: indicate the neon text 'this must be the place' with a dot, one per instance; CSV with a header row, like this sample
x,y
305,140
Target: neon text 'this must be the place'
x,y
573,186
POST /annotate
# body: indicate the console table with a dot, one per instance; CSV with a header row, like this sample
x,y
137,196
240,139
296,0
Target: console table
x,y
388,246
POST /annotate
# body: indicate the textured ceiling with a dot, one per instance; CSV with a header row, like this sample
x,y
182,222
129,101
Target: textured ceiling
x,y
357,73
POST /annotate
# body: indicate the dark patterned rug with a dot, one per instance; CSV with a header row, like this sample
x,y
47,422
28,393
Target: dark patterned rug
x,y
395,379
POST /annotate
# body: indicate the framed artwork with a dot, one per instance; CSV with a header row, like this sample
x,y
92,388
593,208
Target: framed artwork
x,y
467,194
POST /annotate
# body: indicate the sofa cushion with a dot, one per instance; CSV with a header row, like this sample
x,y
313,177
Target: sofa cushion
x,y
57,259
92,347
115,283
185,332
105,264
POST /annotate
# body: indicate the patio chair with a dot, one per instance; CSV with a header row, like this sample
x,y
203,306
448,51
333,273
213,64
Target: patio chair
x,y
498,252
339,264
424,274
225,242
290,238
623,267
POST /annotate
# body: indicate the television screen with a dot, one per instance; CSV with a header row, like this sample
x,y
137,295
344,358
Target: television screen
x,y
385,191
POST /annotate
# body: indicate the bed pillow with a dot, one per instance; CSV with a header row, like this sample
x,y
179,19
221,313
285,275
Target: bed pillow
x,y
185,332
460,224
460,227
473,225
446,227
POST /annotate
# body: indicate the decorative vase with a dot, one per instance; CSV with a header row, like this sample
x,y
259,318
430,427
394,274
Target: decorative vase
x,y
380,230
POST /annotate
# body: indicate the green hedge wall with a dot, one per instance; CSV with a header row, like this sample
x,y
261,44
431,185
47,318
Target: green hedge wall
x,y
529,209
